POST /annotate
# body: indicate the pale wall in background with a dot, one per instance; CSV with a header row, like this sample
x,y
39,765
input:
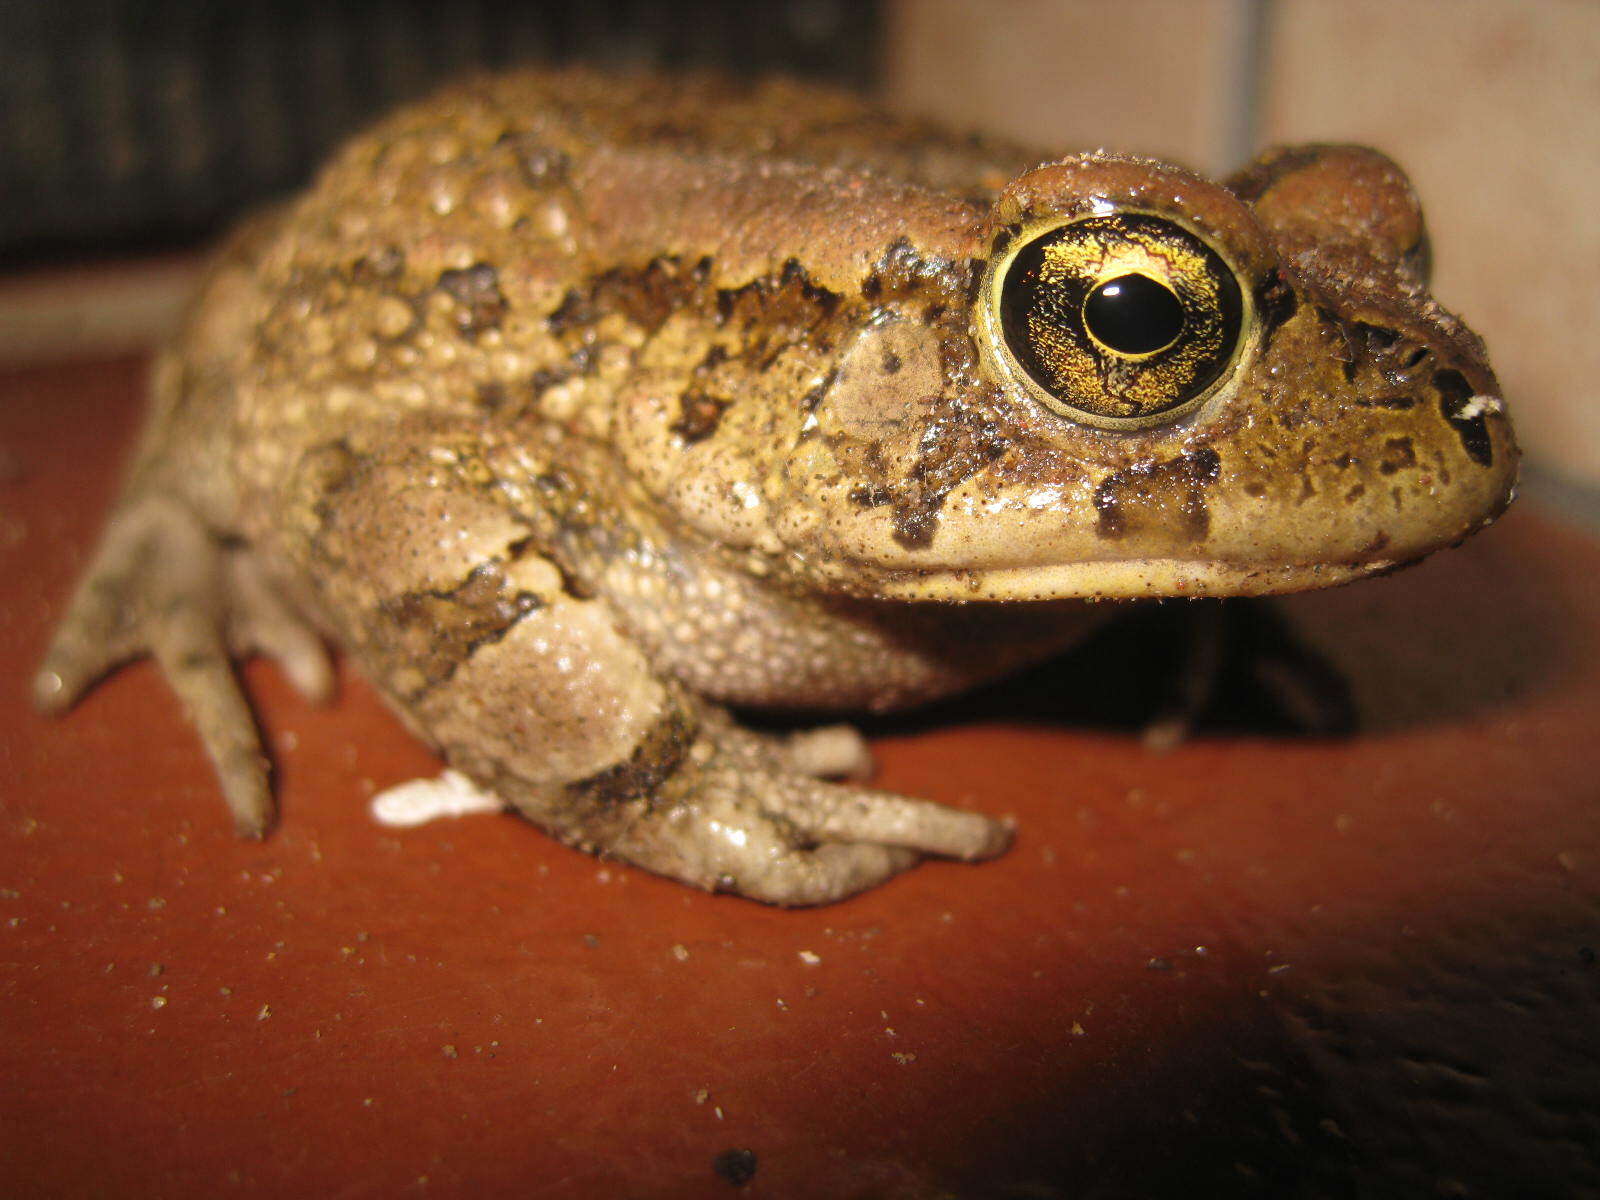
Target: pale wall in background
x,y
1491,105
1152,76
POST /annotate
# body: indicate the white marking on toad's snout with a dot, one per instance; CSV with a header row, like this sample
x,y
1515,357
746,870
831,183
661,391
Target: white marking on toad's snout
x,y
418,801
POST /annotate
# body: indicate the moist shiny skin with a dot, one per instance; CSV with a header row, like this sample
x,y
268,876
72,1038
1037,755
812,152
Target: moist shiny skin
x,y
575,408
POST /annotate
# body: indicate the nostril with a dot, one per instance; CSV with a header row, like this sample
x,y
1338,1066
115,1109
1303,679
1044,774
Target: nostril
x,y
1379,340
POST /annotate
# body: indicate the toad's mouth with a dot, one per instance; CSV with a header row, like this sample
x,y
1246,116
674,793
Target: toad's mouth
x,y
1300,531
1125,579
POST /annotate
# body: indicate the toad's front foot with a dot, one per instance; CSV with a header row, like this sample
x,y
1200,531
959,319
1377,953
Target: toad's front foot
x,y
165,585
738,814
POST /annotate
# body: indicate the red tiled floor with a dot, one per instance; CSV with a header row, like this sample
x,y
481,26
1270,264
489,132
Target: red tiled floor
x,y
1253,966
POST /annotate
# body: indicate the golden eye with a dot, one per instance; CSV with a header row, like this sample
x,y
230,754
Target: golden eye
x,y
1119,321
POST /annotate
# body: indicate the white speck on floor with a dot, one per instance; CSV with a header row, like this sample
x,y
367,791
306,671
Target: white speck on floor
x,y
418,801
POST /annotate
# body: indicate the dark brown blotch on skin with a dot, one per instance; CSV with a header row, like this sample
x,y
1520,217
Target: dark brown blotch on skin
x,y
699,413
766,317
1004,236
638,777
773,314
702,403
476,291
1398,455
955,448
1276,302
1159,500
644,297
870,495
901,272
952,450
789,298
1454,394
436,631
576,308
915,523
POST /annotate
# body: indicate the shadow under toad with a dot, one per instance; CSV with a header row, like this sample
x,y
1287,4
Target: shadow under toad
x,y
1463,634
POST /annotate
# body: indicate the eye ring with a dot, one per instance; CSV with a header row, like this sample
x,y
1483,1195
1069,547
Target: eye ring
x,y
1117,320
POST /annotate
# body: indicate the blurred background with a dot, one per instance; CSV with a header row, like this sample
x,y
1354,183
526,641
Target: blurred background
x,y
133,130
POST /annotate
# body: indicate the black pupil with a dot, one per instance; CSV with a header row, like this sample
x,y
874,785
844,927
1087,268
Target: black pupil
x,y
1133,314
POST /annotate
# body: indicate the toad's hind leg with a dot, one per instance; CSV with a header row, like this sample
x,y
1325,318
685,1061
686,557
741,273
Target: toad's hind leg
x,y
163,584
560,715
495,645
738,816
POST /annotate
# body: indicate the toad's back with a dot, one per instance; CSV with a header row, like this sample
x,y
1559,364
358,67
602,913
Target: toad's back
x,y
512,242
